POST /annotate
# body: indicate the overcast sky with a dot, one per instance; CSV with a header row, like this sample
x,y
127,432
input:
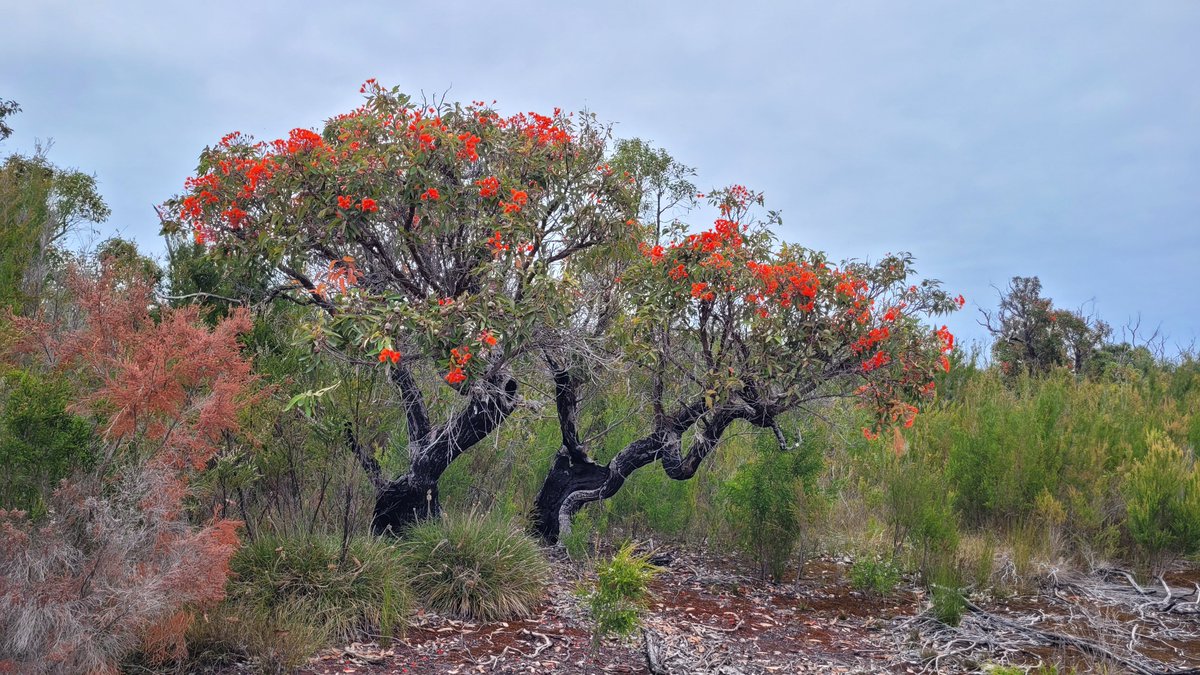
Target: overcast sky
x,y
991,139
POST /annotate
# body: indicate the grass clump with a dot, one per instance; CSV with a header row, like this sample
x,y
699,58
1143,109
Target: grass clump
x,y
475,566
874,576
342,595
621,592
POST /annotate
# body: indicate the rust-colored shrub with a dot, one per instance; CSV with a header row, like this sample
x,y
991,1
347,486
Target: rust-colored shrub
x,y
117,565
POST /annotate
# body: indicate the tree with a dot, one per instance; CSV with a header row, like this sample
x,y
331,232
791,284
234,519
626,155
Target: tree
x,y
116,564
7,108
1031,335
40,205
438,240
724,326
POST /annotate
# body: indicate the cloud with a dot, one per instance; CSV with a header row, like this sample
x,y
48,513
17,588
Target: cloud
x,y
991,139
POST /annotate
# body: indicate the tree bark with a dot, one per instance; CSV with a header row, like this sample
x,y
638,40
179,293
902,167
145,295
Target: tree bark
x,y
414,495
574,481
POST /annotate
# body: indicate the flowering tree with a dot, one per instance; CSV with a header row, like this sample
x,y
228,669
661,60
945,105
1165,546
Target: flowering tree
x,y
436,240
117,565
725,325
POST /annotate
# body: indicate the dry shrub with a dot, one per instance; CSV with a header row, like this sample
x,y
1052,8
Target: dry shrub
x,y
116,566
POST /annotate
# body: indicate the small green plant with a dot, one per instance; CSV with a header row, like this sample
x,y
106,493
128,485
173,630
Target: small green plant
x,y
946,595
874,576
309,581
772,502
475,566
621,593
1162,494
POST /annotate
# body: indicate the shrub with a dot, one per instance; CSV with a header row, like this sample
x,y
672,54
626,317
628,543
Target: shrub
x,y
231,634
117,565
362,591
874,576
1162,493
620,594
949,603
474,566
771,502
40,441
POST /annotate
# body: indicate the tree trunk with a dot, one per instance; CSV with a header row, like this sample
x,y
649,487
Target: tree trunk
x,y
414,496
565,477
403,502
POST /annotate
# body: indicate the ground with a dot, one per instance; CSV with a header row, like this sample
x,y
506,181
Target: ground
x,y
713,615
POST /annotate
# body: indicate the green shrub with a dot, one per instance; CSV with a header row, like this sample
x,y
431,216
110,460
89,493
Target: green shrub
x,y
475,566
621,593
874,576
771,502
309,582
920,509
1162,492
946,593
40,442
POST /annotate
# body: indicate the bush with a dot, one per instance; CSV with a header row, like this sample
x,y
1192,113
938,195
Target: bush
x,y
771,502
339,596
475,566
874,576
1162,493
40,441
949,603
621,593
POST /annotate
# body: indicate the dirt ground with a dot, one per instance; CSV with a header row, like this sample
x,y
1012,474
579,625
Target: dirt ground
x,y
713,615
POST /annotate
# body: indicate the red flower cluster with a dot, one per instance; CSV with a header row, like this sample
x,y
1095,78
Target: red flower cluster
x,y
871,339
458,358
345,201
947,339
880,360
486,338
389,355
468,151
787,283
654,253
368,205
488,187
519,199
700,290
498,245
430,193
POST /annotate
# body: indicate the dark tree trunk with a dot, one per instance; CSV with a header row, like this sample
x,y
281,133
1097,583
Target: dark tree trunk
x,y
573,481
414,496
403,502
564,478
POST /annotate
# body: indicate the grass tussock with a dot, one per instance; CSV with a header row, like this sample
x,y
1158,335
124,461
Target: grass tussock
x,y
475,566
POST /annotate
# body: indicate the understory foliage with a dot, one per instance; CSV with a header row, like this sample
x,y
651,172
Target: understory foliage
x,y
1162,493
774,499
115,564
341,594
621,593
474,566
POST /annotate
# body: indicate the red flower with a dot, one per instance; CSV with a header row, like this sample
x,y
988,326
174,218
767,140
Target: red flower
x,y
369,205
389,355
345,202
455,375
431,193
488,187
678,272
487,338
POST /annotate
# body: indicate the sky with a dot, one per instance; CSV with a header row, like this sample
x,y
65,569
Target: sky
x,y
990,139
